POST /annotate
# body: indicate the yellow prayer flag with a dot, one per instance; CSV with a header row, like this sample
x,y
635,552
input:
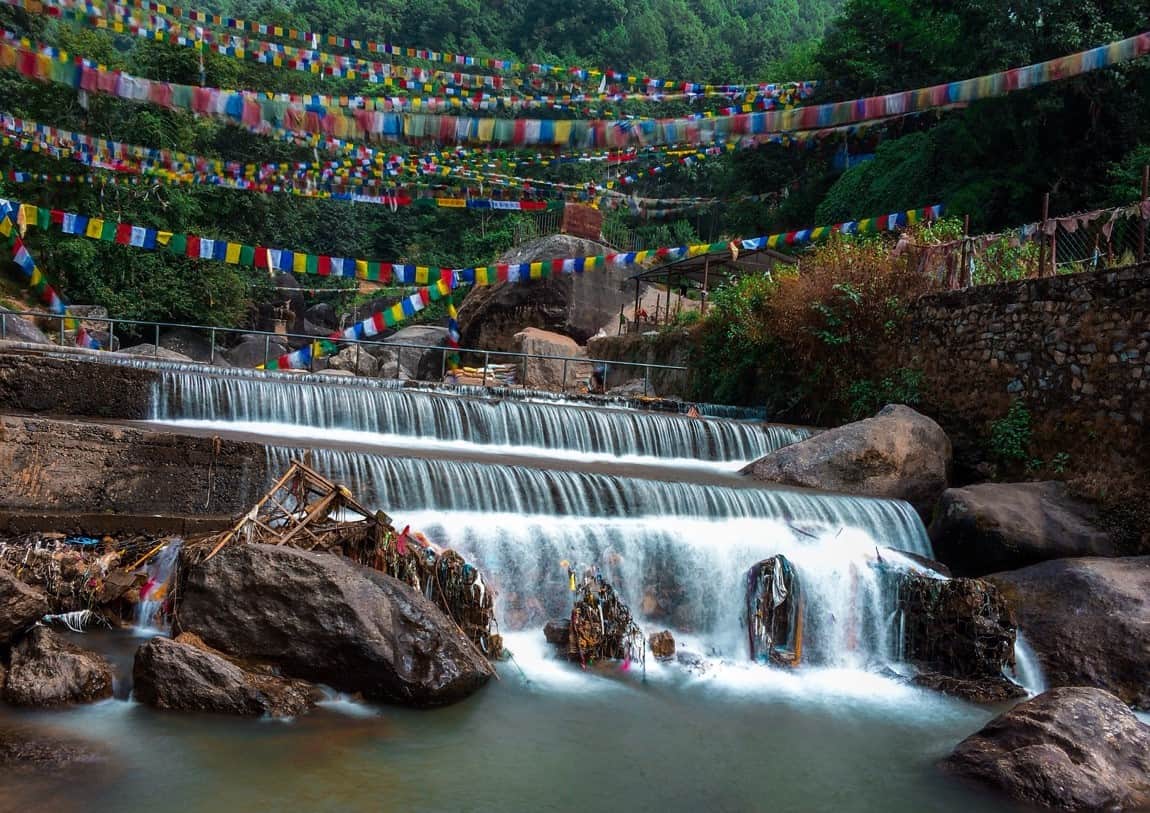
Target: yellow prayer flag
x,y
163,237
361,269
299,263
95,228
481,276
536,270
232,254
422,273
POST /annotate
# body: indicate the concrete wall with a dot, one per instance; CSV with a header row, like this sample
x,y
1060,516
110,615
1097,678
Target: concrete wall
x,y
1073,348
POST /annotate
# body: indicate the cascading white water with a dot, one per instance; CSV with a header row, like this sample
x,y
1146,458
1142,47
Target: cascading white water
x,y
247,402
155,590
1027,669
678,553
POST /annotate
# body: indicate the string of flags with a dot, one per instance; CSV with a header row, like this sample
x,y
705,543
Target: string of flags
x,y
458,90
353,117
315,40
11,233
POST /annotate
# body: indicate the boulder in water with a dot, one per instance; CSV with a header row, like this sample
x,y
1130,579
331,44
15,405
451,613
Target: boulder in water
x,y
21,606
993,527
1088,621
48,671
319,618
960,634
1069,749
898,454
557,632
662,645
185,674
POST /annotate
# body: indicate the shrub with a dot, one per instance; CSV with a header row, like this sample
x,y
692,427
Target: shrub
x,y
1010,435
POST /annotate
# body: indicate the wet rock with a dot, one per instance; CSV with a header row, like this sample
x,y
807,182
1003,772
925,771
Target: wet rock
x,y
987,690
319,618
21,606
186,675
993,527
47,670
956,627
1088,621
898,454
635,388
151,351
323,315
557,632
551,374
691,661
19,329
1069,749
662,645
35,751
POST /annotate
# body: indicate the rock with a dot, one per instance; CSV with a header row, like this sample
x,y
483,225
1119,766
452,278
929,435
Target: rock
x,y
338,373
1069,749
635,388
319,618
988,691
1088,621
250,352
420,363
898,454
192,343
548,374
558,632
958,628
992,527
323,315
151,351
19,329
354,360
662,645
35,751
21,606
185,675
49,671
575,305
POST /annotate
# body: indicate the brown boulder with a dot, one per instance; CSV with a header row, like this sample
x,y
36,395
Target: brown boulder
x,y
1088,621
185,675
662,645
898,454
1070,749
551,374
993,527
49,671
320,618
21,606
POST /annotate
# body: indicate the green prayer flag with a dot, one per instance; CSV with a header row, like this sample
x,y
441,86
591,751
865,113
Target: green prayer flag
x,y
247,256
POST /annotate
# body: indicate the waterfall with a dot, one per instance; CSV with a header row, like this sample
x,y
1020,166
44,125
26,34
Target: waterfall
x,y
1027,669
384,413
678,553
155,590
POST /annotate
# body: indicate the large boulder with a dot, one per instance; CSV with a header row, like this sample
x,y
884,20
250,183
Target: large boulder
x,y
1088,621
421,363
193,343
19,329
898,454
49,671
1004,526
551,373
1069,749
252,352
575,305
151,351
186,675
20,606
320,618
356,361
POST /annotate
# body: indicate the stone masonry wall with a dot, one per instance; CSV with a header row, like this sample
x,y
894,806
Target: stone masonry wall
x,y
1075,349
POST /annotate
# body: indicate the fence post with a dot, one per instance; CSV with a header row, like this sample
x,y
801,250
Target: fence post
x,y
212,351
111,335
563,388
357,346
646,378
1042,235
1143,214
486,359
267,349
965,276
3,325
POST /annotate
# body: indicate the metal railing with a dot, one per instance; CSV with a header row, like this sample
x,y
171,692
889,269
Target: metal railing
x,y
155,331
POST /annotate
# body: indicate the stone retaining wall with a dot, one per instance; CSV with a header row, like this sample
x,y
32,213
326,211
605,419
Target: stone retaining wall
x,y
1074,349
71,385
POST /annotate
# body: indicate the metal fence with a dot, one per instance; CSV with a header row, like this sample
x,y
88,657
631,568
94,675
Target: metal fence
x,y
498,368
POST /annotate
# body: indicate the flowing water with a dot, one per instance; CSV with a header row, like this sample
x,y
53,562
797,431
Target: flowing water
x,y
155,590
716,732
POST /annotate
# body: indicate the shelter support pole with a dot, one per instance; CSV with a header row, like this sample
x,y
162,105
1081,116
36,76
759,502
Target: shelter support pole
x,y
1042,235
635,316
1144,213
706,282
